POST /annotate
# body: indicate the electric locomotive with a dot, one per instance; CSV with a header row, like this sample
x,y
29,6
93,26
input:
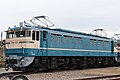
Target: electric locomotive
x,y
35,47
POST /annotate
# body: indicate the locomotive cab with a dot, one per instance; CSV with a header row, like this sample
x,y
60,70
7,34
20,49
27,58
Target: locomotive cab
x,y
22,39
20,44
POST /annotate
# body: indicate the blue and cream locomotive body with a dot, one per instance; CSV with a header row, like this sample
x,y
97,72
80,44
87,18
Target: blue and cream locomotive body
x,y
32,48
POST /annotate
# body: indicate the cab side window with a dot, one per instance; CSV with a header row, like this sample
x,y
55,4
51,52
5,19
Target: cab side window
x,y
44,36
33,35
37,35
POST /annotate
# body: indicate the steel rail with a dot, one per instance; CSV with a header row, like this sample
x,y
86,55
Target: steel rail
x,y
110,77
10,74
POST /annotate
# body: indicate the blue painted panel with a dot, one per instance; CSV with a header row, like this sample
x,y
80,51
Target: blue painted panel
x,y
74,43
77,53
77,43
65,53
86,43
100,45
56,41
38,52
66,43
107,45
93,45
24,52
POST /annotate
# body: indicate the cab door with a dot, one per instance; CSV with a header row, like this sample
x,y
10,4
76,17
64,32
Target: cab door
x,y
44,43
35,38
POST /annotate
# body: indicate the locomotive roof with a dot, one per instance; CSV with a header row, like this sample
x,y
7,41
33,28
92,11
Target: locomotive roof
x,y
57,29
81,33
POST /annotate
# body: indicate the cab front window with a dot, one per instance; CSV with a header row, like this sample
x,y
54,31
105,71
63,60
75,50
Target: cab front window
x,y
10,35
18,34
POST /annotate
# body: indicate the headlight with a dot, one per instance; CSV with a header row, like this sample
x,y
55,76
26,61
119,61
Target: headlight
x,y
22,60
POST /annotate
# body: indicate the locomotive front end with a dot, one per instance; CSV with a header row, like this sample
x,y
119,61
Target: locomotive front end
x,y
19,47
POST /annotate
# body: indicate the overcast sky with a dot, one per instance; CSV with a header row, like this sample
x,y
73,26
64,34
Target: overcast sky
x,y
79,15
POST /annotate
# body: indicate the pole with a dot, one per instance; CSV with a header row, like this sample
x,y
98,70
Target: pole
x,y
1,45
1,36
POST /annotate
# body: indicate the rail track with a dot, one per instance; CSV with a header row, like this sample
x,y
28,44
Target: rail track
x,y
110,77
14,75
83,75
10,75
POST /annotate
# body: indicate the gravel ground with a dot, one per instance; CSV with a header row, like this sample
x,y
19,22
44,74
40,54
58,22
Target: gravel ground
x,y
71,74
63,75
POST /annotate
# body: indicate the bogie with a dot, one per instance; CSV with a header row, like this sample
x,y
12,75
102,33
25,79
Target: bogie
x,y
60,63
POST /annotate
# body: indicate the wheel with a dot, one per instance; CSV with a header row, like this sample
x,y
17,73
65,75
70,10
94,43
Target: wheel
x,y
35,69
7,67
14,68
19,77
